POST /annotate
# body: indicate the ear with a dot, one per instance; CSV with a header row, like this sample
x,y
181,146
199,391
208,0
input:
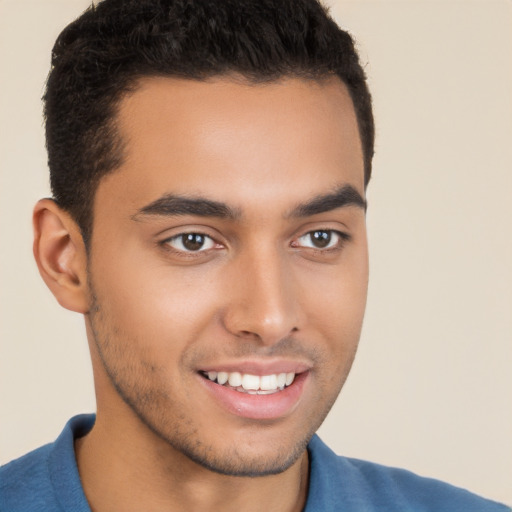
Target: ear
x,y
60,255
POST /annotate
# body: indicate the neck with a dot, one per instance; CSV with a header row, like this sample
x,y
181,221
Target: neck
x,y
130,469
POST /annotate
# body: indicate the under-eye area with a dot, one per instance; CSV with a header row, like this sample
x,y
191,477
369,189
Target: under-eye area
x,y
251,384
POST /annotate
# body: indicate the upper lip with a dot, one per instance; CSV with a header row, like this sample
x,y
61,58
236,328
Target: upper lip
x,y
258,367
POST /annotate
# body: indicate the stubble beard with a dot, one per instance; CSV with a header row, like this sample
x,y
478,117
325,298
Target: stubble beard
x,y
151,405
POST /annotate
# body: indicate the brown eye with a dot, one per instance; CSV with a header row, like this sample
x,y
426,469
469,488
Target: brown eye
x,y
323,239
191,242
320,239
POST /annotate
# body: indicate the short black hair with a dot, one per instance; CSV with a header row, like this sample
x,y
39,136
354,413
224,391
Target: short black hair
x,y
100,57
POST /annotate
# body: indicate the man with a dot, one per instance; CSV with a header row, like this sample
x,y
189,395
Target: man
x,y
209,162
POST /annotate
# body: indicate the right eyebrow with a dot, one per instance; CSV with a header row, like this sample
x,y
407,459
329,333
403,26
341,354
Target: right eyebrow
x,y
172,205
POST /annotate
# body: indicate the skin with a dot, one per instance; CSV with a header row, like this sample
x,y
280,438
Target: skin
x,y
258,292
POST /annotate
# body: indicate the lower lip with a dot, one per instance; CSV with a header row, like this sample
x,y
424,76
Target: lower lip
x,y
259,407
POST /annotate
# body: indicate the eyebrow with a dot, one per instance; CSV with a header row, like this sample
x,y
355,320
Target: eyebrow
x,y
343,196
172,205
176,205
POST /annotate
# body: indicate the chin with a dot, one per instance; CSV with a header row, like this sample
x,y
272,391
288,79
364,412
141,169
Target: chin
x,y
241,462
257,451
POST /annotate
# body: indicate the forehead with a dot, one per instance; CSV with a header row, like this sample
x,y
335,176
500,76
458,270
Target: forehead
x,y
226,136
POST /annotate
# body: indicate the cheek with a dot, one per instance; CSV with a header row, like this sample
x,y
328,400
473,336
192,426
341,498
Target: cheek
x,y
336,309
153,302
338,294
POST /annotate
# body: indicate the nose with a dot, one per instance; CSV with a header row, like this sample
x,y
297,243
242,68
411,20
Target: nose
x,y
262,299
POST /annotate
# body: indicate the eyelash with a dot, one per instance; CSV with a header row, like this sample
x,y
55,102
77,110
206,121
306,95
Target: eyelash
x,y
342,238
183,251
339,242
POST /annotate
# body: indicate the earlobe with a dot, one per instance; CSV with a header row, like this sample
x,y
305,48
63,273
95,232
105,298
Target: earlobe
x,y
60,255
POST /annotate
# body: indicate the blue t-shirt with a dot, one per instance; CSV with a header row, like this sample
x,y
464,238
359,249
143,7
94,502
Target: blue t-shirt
x,y
47,480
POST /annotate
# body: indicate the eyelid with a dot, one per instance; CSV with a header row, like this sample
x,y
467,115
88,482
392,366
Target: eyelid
x,y
342,237
182,252
179,238
339,239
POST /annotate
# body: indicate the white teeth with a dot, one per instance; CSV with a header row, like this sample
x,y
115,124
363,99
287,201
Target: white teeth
x,y
281,380
268,382
235,379
250,382
253,384
222,377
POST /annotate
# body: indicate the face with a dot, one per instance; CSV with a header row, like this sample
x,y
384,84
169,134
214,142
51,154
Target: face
x,y
228,267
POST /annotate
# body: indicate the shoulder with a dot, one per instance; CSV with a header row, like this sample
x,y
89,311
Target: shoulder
x,y
47,478
362,485
25,482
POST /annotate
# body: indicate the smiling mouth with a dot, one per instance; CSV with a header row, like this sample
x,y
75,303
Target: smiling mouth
x,y
251,384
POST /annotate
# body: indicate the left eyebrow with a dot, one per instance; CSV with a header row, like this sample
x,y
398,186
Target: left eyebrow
x,y
343,196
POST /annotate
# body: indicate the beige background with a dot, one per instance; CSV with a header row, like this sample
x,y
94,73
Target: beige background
x,y
431,389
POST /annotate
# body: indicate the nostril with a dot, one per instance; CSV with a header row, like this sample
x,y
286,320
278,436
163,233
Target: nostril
x,y
248,334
